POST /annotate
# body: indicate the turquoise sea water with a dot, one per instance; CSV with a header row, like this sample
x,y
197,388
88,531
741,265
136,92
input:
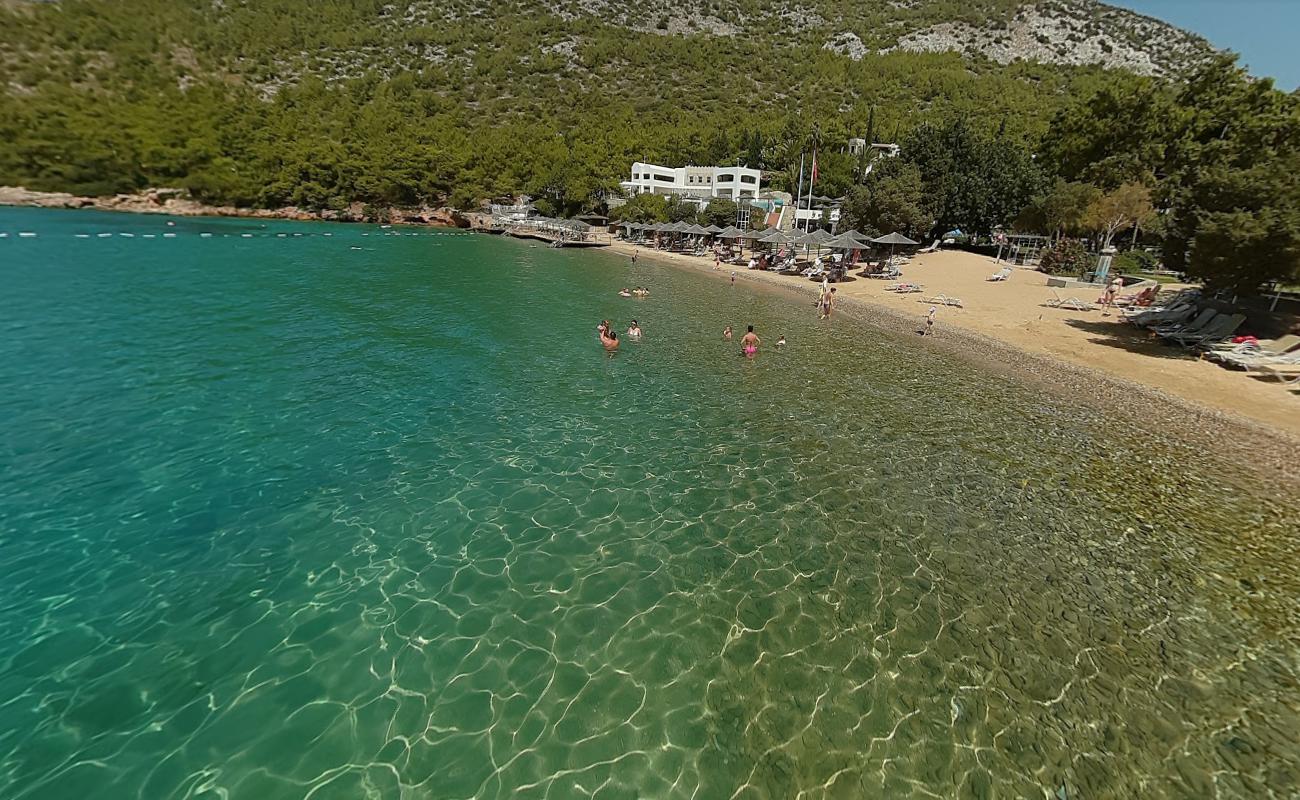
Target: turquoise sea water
x,y
372,515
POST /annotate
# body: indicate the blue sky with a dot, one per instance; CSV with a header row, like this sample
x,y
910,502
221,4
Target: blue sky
x,y
1262,31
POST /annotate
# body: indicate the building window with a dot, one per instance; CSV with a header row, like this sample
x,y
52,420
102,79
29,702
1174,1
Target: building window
x,y
726,177
664,178
746,178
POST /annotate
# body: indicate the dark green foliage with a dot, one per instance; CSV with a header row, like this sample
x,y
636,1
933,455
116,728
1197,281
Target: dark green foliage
x,y
1136,261
892,199
362,101
1222,153
1234,186
973,181
642,208
720,211
1066,257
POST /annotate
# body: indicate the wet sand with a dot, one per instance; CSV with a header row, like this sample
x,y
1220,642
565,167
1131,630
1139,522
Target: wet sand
x,y
1098,359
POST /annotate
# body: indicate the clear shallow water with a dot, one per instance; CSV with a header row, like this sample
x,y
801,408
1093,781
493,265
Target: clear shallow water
x,y
282,518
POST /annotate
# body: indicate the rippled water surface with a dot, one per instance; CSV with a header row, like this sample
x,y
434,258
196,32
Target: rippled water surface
x,y
373,516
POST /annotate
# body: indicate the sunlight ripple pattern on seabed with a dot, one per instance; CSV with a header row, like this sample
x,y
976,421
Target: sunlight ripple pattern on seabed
x,y
285,519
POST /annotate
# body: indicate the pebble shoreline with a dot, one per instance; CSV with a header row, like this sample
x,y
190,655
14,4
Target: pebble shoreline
x,y
1271,454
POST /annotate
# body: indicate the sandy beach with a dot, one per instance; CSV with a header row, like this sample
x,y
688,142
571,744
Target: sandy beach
x,y
1086,345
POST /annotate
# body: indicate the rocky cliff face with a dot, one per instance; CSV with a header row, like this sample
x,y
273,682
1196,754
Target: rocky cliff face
x,y
1073,32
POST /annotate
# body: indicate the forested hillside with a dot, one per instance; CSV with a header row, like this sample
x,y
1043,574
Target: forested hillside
x,y
276,102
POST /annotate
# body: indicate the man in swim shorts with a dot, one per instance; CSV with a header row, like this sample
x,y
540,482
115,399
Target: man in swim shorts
x,y
828,303
610,340
749,342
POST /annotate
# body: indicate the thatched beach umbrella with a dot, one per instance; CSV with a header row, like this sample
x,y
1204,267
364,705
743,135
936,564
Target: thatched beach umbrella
x,y
714,229
730,232
894,239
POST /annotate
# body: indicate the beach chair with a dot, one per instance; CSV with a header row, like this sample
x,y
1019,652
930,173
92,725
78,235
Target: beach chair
x,y
1288,374
1000,275
1198,322
1157,316
1239,355
1222,327
1070,303
941,299
934,248
1283,360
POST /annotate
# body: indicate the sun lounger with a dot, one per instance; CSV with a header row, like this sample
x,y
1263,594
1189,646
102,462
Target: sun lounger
x,y
942,299
1071,303
1000,275
1252,349
1288,374
904,287
1221,327
934,248
1195,323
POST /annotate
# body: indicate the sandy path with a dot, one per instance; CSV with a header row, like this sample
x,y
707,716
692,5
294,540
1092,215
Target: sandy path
x,y
1012,313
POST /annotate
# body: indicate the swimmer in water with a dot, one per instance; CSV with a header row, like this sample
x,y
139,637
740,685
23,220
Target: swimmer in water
x,y
601,328
749,342
610,340
733,277
726,333
624,292
781,342
634,331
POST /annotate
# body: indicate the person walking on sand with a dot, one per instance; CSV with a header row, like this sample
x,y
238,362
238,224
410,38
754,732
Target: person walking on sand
x,y
1112,291
749,342
929,322
828,304
726,333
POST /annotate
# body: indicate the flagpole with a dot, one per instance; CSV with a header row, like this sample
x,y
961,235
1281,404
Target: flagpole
x,y
812,178
798,193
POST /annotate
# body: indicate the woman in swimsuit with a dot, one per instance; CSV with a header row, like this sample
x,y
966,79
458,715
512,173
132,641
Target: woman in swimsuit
x,y
749,342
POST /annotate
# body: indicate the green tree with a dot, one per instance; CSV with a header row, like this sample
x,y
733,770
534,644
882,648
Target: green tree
x,y
1061,210
1128,206
1234,186
971,181
642,208
892,199
1066,257
720,211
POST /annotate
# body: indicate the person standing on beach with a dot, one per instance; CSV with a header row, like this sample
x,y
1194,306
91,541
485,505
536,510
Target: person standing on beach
x,y
749,342
1112,291
633,256
828,304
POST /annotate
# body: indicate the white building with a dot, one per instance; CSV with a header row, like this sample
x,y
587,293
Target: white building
x,y
696,183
